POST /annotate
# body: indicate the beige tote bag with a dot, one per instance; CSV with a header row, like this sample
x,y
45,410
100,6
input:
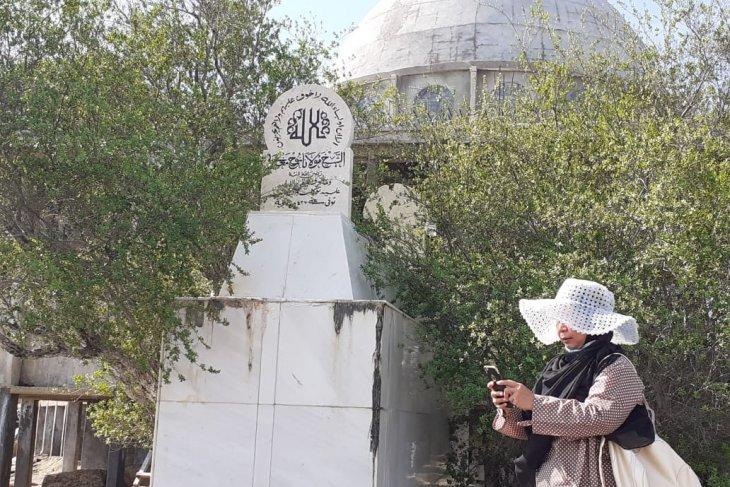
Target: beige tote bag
x,y
656,465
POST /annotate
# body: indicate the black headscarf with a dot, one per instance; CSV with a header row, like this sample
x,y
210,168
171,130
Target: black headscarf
x,y
570,375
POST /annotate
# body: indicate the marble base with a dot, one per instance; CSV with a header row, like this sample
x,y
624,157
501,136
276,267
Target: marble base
x,y
324,393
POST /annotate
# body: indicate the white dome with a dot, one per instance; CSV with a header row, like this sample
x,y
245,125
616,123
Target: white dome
x,y
406,34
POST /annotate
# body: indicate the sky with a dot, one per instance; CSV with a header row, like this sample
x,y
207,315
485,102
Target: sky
x,y
337,15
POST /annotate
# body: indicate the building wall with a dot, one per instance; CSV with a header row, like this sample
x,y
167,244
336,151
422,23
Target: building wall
x,y
53,372
489,80
456,81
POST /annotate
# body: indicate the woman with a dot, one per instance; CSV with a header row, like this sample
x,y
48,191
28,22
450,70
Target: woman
x,y
583,394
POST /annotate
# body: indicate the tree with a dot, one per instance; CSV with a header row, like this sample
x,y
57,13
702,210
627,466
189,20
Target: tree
x,y
626,184
128,161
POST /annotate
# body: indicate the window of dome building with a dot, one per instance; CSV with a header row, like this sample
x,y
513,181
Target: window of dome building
x,y
374,104
508,90
436,101
366,103
371,109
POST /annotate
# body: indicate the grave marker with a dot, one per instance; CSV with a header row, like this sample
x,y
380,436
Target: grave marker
x,y
308,133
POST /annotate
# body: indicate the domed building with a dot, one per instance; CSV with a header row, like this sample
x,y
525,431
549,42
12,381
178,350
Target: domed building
x,y
444,54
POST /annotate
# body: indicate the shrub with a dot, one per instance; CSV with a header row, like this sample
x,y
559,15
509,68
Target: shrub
x,y
626,184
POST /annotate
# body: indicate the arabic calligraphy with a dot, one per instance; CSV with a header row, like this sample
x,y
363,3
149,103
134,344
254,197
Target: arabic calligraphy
x,y
309,193
307,124
313,200
308,132
310,160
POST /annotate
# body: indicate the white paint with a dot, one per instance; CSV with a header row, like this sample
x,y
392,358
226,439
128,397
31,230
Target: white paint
x,y
403,388
308,132
321,446
264,445
301,255
238,350
224,430
201,444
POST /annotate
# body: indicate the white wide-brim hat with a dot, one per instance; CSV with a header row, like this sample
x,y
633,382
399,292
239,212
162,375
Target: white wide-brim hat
x,y
585,306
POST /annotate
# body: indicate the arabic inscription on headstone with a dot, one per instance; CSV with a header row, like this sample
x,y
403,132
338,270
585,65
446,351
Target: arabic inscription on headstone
x,y
308,132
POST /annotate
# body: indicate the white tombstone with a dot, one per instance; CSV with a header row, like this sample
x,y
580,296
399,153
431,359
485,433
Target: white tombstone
x,y
308,246
309,130
319,383
309,394
398,203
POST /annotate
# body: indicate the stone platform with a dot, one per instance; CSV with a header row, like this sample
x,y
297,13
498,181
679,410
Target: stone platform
x,y
309,393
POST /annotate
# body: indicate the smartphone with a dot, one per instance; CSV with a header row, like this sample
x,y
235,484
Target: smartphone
x,y
493,374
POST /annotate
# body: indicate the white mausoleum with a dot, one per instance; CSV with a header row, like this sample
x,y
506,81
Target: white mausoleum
x,y
444,54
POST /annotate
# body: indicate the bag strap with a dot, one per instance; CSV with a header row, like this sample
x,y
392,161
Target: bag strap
x,y
612,355
652,414
606,362
633,367
600,461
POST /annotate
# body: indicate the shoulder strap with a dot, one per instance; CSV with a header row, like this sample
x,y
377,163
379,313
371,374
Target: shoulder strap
x,y
615,357
641,416
606,361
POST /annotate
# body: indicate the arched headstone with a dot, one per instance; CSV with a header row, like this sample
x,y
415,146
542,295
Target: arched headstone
x,y
398,203
308,132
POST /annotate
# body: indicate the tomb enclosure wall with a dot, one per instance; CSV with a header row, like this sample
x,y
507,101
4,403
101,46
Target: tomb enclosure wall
x,y
325,393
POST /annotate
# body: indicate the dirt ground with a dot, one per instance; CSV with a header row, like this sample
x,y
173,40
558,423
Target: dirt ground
x,y
42,466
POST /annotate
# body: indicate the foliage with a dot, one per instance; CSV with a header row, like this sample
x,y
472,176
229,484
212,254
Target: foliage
x,y
128,161
626,184
117,418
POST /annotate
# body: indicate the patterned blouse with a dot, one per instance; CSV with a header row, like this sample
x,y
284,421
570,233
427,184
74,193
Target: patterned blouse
x,y
573,460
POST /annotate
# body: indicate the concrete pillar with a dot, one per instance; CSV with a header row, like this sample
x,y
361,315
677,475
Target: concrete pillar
x,y
72,437
115,468
57,436
473,72
9,369
393,105
26,441
8,419
93,450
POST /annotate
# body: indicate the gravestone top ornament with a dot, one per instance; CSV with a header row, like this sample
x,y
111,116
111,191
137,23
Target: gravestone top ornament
x,y
308,133
309,118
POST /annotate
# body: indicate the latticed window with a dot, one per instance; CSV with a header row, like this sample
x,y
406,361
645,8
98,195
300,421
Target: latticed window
x,y
435,101
508,90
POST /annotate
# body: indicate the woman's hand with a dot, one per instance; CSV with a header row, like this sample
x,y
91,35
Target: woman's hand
x,y
498,398
518,394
